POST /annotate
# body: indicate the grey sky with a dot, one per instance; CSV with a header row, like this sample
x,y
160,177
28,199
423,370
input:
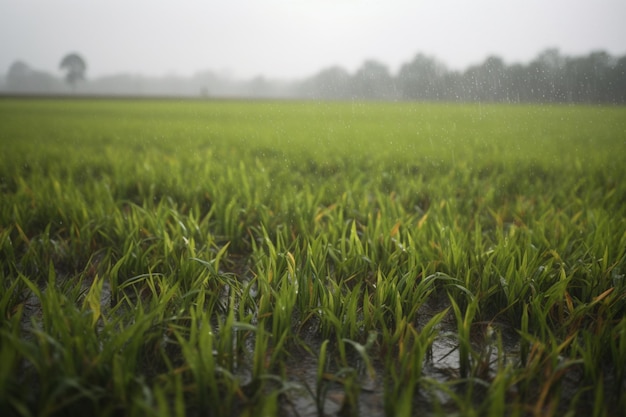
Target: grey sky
x,y
296,38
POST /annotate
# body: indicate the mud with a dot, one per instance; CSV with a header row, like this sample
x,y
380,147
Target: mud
x,y
442,365
351,391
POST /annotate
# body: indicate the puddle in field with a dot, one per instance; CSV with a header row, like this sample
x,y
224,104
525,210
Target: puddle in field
x,y
441,365
301,371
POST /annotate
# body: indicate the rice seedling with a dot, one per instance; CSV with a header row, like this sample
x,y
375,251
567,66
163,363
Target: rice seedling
x,y
180,258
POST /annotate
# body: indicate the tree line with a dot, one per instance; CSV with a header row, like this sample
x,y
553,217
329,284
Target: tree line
x,y
549,78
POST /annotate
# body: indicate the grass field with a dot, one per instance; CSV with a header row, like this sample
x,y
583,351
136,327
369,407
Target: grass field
x,y
301,259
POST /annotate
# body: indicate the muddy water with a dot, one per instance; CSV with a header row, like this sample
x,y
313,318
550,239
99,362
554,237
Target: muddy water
x,y
367,393
442,365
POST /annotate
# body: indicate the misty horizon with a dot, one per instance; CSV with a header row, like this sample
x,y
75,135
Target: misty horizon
x,y
550,77
232,74
285,40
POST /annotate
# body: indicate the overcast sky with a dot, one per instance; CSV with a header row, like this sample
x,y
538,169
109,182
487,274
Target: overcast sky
x,y
296,38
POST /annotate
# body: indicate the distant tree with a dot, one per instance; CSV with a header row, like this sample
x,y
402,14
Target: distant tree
x,y
18,74
519,91
546,76
21,78
373,81
618,81
422,79
451,87
75,67
487,81
329,83
601,64
259,86
494,79
588,77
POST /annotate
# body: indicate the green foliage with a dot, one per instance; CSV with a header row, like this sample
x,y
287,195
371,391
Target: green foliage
x,y
170,258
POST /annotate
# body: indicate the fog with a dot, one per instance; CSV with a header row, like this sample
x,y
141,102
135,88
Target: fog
x,y
550,77
270,48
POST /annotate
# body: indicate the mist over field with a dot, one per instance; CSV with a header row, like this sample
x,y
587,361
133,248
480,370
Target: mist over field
x,y
312,208
550,77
